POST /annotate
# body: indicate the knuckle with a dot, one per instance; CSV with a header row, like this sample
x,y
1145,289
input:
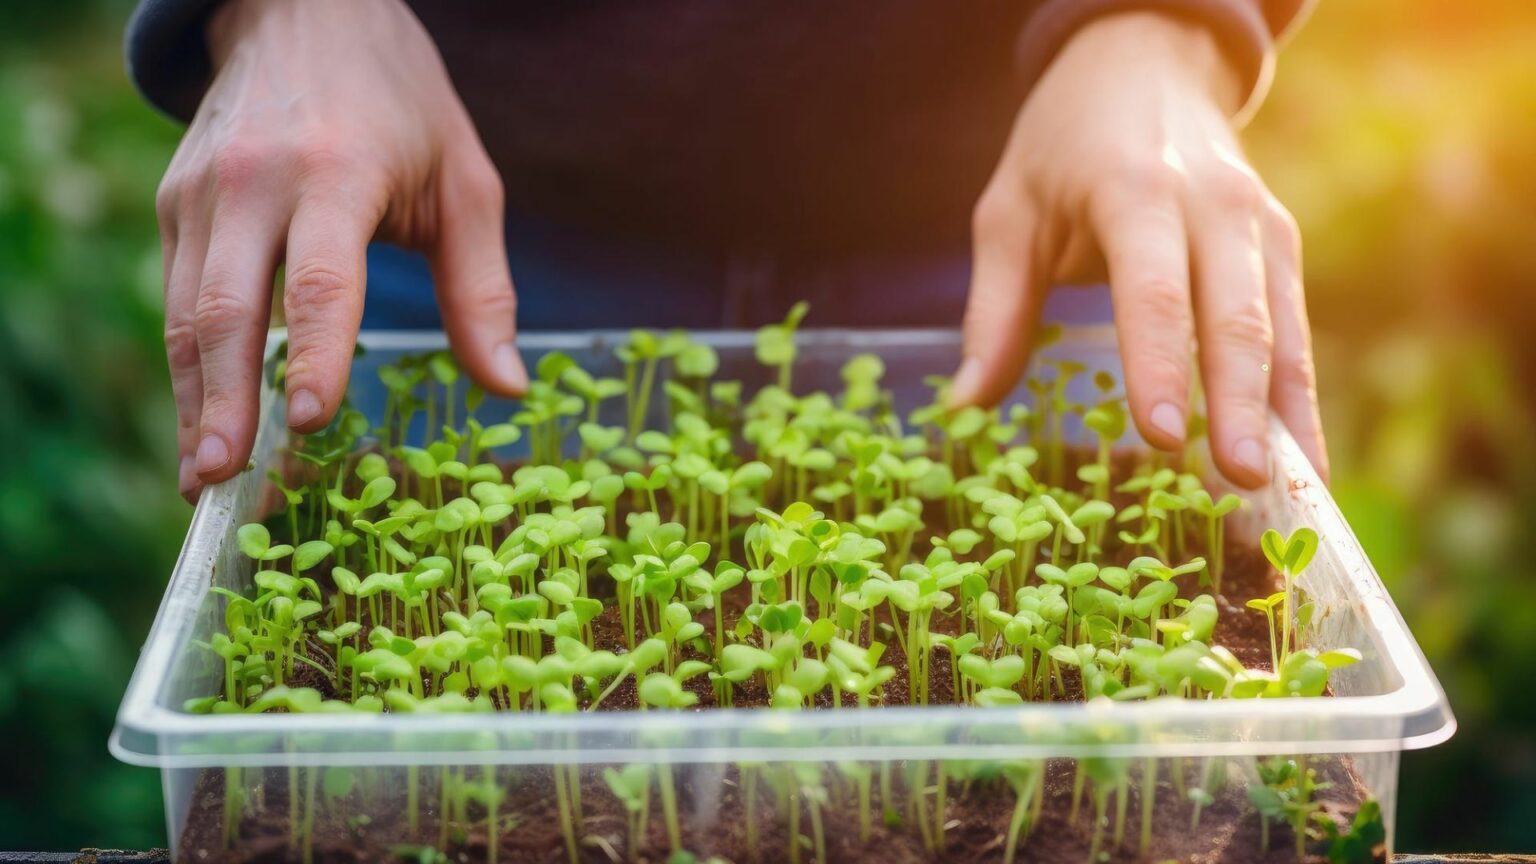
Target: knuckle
x,y
508,303
1283,228
320,159
191,191
492,300
167,199
1160,302
302,366
218,405
1296,371
318,365
318,284
180,192
189,411
1235,190
495,196
1241,411
1145,178
182,349
487,182
1246,329
1162,369
220,310
181,344
997,218
476,180
235,166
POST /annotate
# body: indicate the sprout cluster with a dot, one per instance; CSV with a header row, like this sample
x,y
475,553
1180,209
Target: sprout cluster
x,y
783,549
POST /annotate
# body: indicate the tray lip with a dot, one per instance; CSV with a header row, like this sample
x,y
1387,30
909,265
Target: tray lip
x,y
142,722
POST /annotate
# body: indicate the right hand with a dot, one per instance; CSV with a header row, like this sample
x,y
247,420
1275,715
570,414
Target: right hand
x,y
326,125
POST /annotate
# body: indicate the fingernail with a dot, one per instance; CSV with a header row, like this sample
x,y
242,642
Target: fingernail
x,y
967,378
303,407
509,365
212,454
1169,420
1250,454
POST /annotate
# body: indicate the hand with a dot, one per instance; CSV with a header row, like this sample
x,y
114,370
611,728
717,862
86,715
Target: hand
x,y
1125,154
326,124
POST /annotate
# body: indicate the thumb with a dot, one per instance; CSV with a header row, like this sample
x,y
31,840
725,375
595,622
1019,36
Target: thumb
x,y
474,285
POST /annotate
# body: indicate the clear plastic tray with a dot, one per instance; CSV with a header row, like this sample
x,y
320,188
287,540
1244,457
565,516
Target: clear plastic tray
x,y
1388,703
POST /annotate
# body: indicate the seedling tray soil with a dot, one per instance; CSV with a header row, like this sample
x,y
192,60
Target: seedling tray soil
x,y
969,772
977,823
976,819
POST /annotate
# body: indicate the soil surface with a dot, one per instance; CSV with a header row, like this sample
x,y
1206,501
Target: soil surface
x,y
370,822
714,821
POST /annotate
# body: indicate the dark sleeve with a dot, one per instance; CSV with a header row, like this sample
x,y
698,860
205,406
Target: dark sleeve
x,y
1246,30
168,54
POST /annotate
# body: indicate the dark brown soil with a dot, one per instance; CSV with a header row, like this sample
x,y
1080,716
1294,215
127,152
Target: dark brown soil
x,y
714,820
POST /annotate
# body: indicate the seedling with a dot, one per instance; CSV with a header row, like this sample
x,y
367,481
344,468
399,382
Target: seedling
x,y
776,343
1363,842
1024,777
632,786
1290,556
1285,794
1215,513
411,572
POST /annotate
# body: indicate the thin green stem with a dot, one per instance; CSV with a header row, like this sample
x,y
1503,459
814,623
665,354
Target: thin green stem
x,y
669,807
1148,801
563,806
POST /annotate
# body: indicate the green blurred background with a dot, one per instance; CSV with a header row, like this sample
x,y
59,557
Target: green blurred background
x,y
1401,132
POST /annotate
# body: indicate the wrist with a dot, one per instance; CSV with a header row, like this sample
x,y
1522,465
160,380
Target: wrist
x,y
1146,42
232,22
286,26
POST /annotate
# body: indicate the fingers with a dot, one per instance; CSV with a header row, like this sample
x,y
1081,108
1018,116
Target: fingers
x,y
1293,381
1140,228
1003,305
323,301
232,311
1235,331
182,280
474,286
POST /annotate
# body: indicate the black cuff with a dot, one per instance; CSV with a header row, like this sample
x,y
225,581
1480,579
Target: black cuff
x,y
168,53
1239,26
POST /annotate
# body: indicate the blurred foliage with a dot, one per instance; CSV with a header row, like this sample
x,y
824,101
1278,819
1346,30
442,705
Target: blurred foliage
x,y
89,524
1403,137
1401,132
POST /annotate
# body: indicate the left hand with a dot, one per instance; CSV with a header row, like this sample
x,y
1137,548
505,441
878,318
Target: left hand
x,y
1125,155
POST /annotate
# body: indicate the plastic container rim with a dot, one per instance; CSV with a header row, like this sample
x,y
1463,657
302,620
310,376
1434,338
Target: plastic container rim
x,y
142,719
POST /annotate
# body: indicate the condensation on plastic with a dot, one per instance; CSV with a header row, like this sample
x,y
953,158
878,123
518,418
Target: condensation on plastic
x,y
1388,703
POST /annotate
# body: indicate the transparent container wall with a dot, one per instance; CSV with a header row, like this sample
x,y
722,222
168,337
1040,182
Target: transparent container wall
x,y
817,811
1385,703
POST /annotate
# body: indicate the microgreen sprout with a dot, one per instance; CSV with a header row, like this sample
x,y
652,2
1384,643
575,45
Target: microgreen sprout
x,y
1285,793
1290,556
973,549
776,343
